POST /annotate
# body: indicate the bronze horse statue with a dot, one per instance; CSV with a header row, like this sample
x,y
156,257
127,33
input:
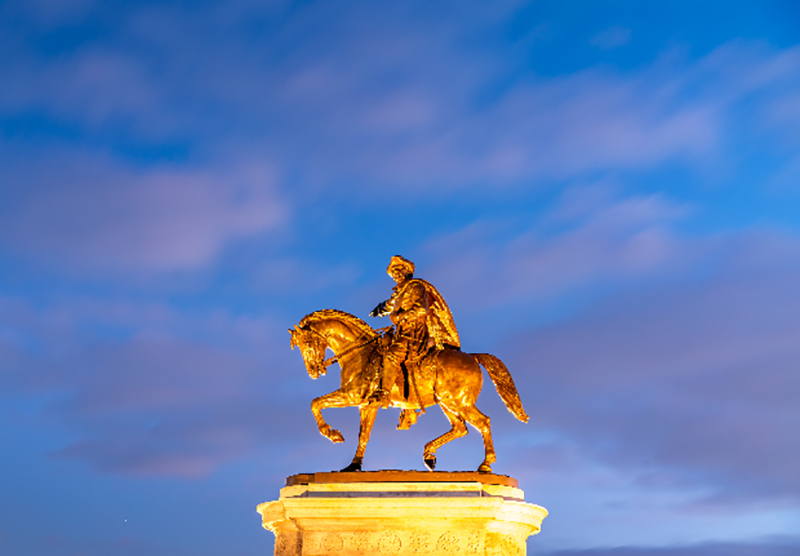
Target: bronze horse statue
x,y
448,377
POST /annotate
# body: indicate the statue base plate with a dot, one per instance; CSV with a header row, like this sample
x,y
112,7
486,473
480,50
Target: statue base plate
x,y
402,513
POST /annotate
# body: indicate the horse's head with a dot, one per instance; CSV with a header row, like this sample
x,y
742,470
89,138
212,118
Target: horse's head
x,y
312,347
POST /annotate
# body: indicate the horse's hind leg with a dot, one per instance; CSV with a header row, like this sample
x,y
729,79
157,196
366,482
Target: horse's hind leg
x,y
457,430
367,414
337,398
481,422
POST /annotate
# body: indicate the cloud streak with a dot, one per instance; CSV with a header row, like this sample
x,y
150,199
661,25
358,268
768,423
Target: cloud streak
x,y
155,404
85,212
387,113
698,381
575,246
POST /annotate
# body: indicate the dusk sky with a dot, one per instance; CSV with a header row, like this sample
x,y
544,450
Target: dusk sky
x,y
606,193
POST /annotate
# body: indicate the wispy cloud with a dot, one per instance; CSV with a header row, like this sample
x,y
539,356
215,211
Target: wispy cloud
x,y
88,212
377,110
697,380
155,404
577,245
613,37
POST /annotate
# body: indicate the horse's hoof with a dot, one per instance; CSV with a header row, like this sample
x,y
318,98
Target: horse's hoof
x,y
430,463
485,468
336,437
351,468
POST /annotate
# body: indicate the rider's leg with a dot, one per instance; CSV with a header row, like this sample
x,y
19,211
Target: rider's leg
x,y
395,355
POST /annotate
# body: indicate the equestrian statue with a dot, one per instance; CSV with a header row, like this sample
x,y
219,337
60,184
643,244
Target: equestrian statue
x,y
413,364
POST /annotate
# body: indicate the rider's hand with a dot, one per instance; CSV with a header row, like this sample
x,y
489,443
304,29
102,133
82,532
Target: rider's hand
x,y
379,310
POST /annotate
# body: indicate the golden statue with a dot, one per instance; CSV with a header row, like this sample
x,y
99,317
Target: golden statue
x,y
412,365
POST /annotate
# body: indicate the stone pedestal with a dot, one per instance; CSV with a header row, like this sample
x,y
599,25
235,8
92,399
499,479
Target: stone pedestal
x,y
401,513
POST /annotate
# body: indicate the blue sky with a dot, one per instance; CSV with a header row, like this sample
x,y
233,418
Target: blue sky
x,y
606,193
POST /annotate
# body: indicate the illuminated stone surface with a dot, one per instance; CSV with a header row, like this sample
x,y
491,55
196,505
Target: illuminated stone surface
x,y
401,513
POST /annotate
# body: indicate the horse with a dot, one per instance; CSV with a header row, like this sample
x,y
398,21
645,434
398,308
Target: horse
x,y
449,377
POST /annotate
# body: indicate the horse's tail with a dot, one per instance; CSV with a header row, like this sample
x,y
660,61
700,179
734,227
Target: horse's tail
x,y
504,383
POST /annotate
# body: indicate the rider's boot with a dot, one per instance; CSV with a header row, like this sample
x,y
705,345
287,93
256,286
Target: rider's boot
x,y
407,418
383,394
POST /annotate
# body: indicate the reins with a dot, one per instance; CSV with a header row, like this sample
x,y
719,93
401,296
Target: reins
x,y
331,360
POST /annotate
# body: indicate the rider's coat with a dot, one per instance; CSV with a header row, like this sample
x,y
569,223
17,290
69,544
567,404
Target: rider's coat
x,y
422,318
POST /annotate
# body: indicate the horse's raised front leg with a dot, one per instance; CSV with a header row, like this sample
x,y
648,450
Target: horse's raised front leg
x,y
367,414
457,430
337,398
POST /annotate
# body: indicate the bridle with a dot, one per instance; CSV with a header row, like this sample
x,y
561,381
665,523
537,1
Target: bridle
x,y
317,347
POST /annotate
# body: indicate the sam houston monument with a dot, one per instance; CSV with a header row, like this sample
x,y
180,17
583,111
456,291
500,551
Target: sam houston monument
x,y
413,364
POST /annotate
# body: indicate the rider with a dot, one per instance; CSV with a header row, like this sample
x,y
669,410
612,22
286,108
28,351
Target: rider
x,y
422,321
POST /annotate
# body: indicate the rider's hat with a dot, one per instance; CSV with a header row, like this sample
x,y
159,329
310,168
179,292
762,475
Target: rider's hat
x,y
398,261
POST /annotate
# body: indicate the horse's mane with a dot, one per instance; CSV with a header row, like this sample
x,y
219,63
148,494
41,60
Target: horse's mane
x,y
353,320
